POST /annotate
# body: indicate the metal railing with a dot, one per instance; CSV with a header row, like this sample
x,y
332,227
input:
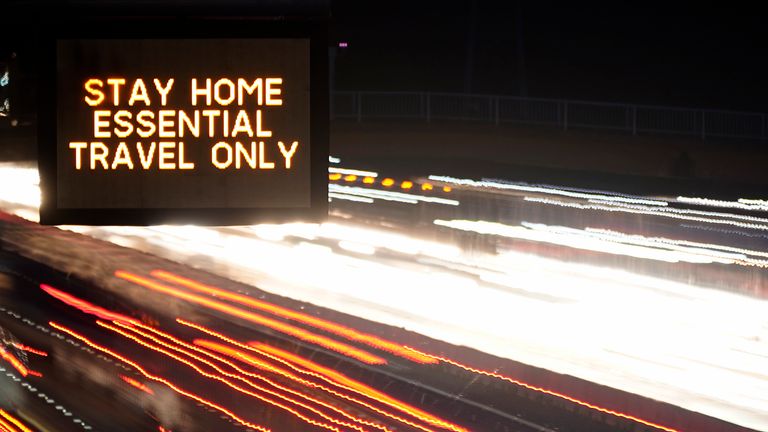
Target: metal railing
x,y
564,114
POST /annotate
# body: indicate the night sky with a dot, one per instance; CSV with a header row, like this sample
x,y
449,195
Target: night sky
x,y
642,55
645,55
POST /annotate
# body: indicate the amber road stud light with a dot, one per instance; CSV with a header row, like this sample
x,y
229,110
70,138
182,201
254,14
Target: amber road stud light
x,y
186,129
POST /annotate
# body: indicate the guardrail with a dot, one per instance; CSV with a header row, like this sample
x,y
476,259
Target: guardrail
x,y
564,114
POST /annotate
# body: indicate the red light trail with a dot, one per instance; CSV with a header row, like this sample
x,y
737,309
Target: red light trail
x,y
6,427
322,324
356,387
29,349
351,385
223,381
232,365
262,365
550,392
136,384
6,418
169,384
240,378
85,306
294,331
340,378
16,363
250,360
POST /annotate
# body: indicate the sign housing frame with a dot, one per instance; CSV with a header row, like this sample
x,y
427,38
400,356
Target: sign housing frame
x,y
313,29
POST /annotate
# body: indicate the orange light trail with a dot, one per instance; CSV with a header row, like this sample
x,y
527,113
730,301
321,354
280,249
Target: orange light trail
x,y
29,349
550,392
172,386
240,389
350,178
136,384
387,182
253,361
406,184
334,176
6,427
16,363
84,306
277,370
322,324
362,388
246,381
35,373
288,329
369,180
16,422
357,387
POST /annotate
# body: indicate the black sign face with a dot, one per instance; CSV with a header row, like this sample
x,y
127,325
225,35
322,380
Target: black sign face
x,y
186,130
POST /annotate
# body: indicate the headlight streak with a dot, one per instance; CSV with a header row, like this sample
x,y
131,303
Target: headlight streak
x,y
239,389
550,392
347,384
604,243
685,211
544,190
741,203
390,195
738,254
724,231
613,208
688,251
155,378
371,193
335,195
288,329
303,318
577,189
353,172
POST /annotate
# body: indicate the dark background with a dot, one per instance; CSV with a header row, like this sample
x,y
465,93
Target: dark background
x,y
663,54
649,54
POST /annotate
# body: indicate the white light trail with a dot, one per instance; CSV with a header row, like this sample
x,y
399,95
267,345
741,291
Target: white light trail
x,y
347,171
390,195
580,239
544,190
685,211
613,208
741,203
346,197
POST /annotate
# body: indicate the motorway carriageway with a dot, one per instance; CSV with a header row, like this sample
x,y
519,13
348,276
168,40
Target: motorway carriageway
x,y
690,345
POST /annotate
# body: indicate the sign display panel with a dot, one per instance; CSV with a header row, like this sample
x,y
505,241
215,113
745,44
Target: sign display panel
x,y
178,130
